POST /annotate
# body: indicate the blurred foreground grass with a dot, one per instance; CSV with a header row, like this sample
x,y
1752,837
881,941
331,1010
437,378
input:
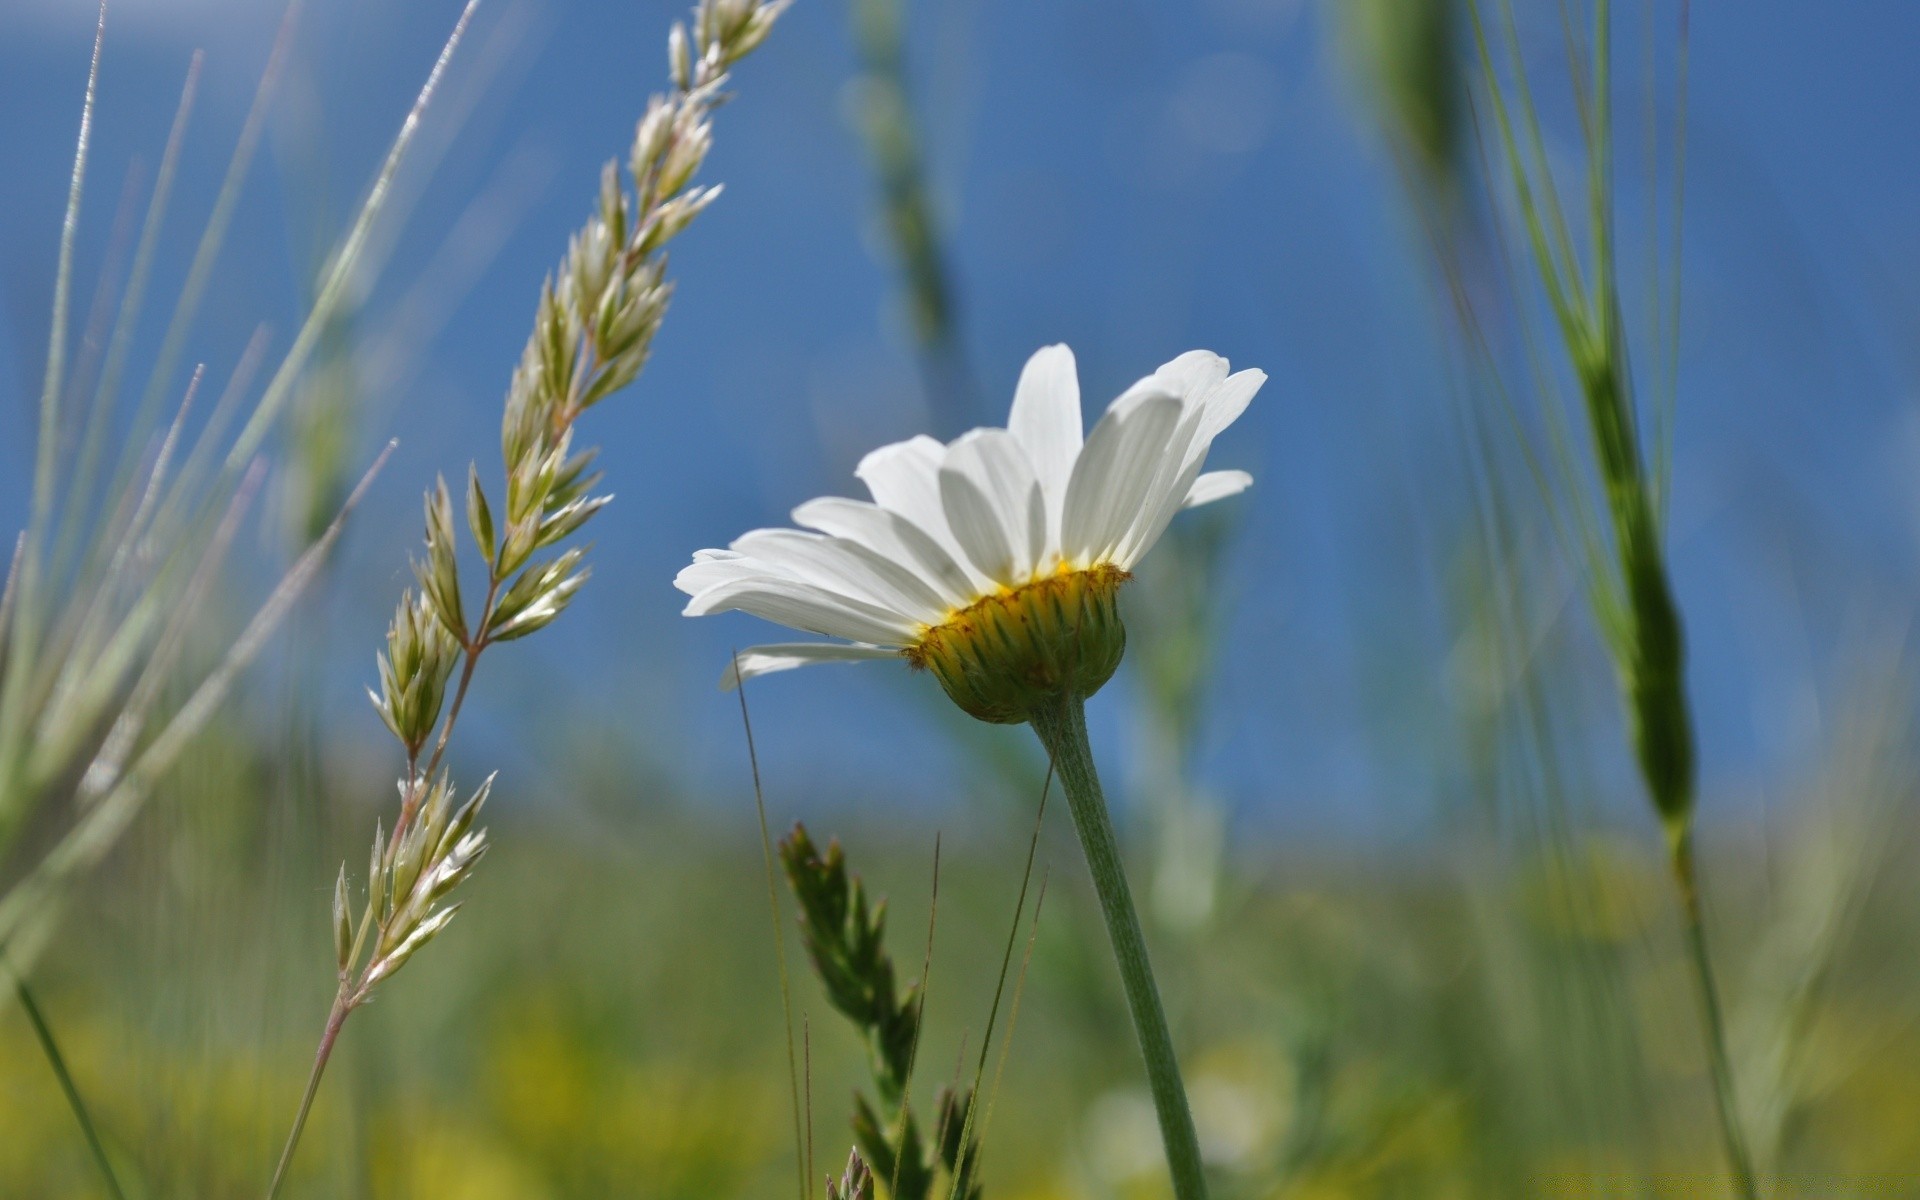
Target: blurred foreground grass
x,y
1360,1022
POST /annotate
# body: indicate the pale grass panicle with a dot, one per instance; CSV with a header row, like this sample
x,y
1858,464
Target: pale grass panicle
x,y
593,328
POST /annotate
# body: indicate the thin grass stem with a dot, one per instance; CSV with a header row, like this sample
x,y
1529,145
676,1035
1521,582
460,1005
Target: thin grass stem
x,y
779,933
1686,879
1013,1013
333,290
207,251
919,1021
336,1019
999,987
806,1052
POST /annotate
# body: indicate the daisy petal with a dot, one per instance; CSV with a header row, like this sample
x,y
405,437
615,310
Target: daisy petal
x,y
1216,485
1187,378
1046,420
1204,417
806,607
1172,475
846,568
1156,513
713,567
1192,374
976,523
764,660
994,504
892,535
1225,403
905,477
1117,466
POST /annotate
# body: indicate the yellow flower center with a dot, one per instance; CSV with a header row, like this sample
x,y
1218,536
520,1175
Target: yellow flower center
x,y
1006,654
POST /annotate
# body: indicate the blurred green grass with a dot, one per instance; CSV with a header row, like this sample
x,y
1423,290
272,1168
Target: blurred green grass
x,y
1360,1022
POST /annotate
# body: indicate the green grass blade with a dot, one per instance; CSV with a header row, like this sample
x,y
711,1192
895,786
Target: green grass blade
x,y
49,448
99,653
23,637
120,341
333,291
212,237
51,1048
99,828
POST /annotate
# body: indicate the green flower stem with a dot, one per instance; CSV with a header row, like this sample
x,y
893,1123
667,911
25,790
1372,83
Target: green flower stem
x,y
1739,1159
1062,727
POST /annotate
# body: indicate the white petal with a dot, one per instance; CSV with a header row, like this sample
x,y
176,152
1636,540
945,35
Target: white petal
x,y
905,477
1156,514
807,607
1204,417
1225,403
713,567
763,660
1192,374
1216,485
1046,418
844,567
994,504
1123,455
1187,378
892,535
1160,499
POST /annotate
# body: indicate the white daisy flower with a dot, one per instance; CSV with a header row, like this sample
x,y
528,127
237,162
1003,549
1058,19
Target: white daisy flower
x,y
993,560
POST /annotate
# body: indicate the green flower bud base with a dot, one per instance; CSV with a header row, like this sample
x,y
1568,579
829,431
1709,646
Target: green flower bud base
x,y
1007,655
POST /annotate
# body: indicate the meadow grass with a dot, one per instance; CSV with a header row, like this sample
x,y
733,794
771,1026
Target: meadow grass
x,y
1499,1014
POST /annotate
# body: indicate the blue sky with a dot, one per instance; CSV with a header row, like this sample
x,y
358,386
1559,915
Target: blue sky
x,y
1135,179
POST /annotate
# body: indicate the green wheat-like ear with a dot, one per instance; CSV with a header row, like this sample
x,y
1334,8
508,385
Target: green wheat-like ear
x,y
1407,54
883,114
1621,531
845,938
